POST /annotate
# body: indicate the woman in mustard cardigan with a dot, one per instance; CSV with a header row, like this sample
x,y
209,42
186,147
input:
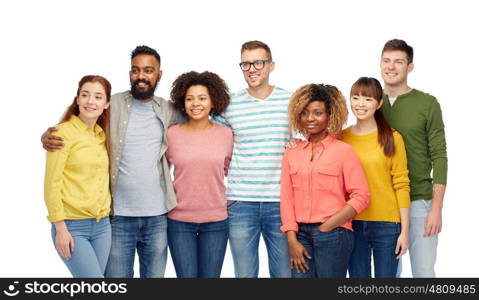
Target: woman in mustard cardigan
x,y
382,228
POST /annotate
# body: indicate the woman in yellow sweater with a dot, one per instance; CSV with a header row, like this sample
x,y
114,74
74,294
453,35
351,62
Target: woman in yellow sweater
x,y
382,228
76,187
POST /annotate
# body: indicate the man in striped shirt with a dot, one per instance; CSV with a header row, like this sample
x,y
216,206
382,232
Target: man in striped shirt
x,y
258,117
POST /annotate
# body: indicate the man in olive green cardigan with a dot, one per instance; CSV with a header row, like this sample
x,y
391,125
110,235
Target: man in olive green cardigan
x,y
418,118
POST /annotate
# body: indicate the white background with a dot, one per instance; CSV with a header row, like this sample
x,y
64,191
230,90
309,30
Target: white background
x,y
47,46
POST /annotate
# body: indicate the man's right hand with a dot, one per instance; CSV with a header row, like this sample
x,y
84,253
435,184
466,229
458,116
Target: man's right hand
x,y
51,142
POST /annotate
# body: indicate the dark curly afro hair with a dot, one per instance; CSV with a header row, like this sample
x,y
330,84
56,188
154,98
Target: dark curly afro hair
x,y
217,88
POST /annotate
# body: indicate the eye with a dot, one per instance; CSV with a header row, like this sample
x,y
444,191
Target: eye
x,y
318,113
304,113
149,71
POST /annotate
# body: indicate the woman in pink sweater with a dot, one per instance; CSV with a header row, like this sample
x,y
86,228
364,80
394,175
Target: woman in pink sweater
x,y
322,185
200,152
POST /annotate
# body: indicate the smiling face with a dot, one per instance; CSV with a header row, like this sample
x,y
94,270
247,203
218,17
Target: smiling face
x,y
91,101
395,68
144,76
314,119
257,78
364,107
198,103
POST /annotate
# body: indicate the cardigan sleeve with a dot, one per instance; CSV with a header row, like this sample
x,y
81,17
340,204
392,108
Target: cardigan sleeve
x,y
399,172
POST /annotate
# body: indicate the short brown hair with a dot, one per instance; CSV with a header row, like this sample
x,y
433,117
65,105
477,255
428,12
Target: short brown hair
x,y
251,45
217,88
399,45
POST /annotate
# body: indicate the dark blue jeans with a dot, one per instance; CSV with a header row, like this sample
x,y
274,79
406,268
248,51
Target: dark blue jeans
x,y
147,236
197,249
330,251
378,239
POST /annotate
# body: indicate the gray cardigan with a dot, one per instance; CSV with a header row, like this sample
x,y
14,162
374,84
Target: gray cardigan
x,y
120,106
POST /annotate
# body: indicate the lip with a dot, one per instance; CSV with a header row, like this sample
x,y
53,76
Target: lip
x,y
196,111
89,109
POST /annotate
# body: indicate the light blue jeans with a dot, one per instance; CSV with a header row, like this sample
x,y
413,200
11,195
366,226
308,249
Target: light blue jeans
x,y
92,242
422,250
248,220
147,235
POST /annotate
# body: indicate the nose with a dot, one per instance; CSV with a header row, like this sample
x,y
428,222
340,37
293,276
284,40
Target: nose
x,y
90,99
310,117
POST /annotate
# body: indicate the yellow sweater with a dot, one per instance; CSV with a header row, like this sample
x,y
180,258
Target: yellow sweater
x,y
387,176
76,177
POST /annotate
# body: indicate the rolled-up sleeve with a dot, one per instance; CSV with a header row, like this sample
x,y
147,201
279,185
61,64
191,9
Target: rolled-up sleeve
x,y
288,218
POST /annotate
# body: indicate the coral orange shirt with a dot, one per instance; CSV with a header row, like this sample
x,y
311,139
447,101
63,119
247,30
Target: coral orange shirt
x,y
313,191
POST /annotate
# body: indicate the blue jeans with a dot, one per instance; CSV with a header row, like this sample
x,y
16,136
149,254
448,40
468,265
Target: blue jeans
x,y
330,251
378,239
422,250
147,235
197,249
92,242
248,220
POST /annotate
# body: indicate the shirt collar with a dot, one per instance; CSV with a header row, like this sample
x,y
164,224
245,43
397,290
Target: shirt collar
x,y
324,142
78,123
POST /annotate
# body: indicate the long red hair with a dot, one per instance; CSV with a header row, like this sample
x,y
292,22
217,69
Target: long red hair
x,y
104,119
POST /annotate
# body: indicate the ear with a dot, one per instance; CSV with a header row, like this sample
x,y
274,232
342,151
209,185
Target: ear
x,y
380,104
160,73
107,105
410,67
272,66
76,100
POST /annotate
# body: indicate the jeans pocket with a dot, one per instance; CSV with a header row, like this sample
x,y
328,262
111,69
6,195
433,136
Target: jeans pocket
x,y
328,239
231,203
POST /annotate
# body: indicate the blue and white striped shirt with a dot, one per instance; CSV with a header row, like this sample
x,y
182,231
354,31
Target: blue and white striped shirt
x,y
260,130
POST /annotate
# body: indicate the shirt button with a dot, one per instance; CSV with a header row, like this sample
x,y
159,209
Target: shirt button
x,y
128,105
117,158
124,122
121,141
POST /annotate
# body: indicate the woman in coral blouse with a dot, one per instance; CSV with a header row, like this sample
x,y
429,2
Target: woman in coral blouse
x,y
322,185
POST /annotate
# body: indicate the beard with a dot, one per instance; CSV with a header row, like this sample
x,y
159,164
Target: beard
x,y
142,94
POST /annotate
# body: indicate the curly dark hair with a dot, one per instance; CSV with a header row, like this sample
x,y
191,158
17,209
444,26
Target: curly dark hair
x,y
217,88
145,50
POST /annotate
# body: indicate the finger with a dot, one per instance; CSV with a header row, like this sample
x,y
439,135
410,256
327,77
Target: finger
x,y
72,244
304,264
51,129
306,253
55,137
398,247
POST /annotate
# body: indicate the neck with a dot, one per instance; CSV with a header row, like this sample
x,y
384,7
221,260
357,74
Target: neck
x,y
365,126
395,91
261,92
197,125
88,122
145,100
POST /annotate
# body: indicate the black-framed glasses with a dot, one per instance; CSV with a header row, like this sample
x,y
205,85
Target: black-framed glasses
x,y
258,64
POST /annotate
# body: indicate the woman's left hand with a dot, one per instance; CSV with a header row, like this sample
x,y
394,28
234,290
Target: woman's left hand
x,y
402,244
